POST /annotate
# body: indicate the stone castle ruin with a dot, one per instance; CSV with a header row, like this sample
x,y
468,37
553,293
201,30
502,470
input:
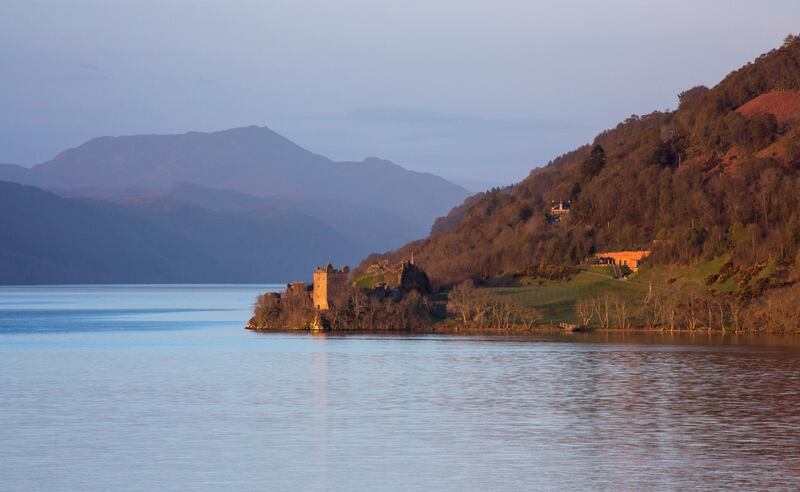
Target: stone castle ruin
x,y
404,276
327,303
328,282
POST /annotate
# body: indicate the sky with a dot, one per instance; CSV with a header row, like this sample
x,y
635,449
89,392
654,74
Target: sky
x,y
470,90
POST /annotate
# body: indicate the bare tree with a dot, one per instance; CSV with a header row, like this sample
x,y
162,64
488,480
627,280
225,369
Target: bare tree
x,y
621,310
602,308
462,301
527,317
735,307
585,311
359,303
692,312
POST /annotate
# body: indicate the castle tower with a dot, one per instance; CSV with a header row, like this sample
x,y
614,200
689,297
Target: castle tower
x,y
328,282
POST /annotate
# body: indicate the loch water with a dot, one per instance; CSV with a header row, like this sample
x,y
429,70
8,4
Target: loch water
x,y
161,388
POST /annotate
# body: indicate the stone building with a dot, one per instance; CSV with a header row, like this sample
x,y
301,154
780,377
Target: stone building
x,y
327,282
296,288
404,276
560,208
630,259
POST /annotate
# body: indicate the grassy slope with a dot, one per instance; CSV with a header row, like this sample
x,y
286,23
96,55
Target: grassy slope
x,y
688,276
369,281
556,300
601,269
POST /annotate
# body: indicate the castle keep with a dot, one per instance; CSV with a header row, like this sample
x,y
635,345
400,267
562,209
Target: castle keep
x,y
327,282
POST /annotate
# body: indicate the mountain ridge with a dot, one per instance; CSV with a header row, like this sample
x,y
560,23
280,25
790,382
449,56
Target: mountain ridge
x,y
253,160
269,190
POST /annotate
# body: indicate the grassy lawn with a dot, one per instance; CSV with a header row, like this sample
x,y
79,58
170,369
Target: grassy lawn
x,y
688,277
556,300
601,269
369,282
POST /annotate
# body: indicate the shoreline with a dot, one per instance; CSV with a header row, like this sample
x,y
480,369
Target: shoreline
x,y
545,330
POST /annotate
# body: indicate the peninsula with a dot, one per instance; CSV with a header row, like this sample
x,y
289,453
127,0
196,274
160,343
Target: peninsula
x,y
676,220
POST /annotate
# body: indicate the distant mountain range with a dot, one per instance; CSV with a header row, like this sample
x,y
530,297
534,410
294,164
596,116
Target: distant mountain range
x,y
241,205
252,160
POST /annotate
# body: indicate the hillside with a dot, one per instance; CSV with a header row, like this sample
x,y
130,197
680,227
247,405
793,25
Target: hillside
x,y
49,239
367,229
251,160
16,174
715,179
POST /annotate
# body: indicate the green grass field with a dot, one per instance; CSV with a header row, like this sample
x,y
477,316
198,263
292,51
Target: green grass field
x,y
601,269
556,300
369,282
690,277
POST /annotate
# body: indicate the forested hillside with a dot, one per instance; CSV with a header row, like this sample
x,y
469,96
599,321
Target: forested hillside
x,y
717,178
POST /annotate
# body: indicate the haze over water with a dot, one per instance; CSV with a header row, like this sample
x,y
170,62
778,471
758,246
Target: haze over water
x,y
159,387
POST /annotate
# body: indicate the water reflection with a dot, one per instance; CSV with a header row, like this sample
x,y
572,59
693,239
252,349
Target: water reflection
x,y
319,362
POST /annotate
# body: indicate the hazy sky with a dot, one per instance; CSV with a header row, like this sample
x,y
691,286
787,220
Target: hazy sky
x,y
465,89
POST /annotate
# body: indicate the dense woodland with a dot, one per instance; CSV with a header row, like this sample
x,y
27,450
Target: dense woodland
x,y
719,176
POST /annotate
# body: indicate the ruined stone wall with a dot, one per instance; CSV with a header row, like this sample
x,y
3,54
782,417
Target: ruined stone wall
x,y
327,284
337,284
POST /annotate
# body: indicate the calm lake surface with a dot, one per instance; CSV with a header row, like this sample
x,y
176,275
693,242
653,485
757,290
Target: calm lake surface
x,y
161,388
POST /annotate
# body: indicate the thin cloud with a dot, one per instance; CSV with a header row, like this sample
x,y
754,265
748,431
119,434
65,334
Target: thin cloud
x,y
470,124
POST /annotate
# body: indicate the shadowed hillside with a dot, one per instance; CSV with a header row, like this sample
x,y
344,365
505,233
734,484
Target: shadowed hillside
x,y
368,229
16,174
49,239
